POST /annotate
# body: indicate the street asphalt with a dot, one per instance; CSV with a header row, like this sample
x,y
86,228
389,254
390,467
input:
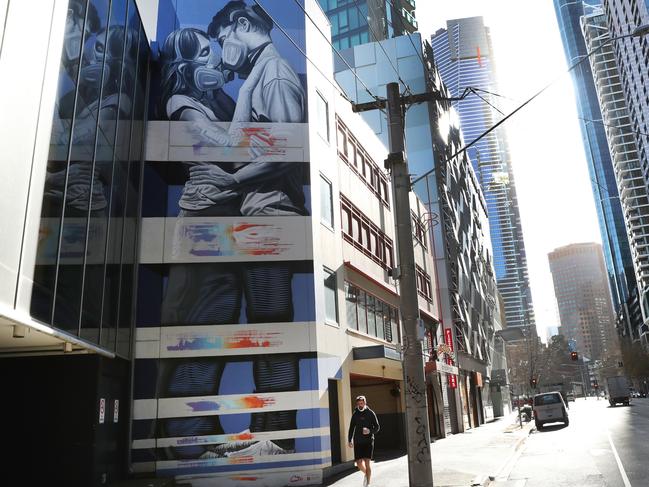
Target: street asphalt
x,y
602,446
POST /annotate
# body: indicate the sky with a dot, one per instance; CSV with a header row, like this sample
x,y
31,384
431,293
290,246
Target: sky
x,y
550,169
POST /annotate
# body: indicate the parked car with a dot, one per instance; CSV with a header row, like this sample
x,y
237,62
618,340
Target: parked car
x,y
549,407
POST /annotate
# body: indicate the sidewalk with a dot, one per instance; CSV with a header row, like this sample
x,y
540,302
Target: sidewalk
x,y
465,459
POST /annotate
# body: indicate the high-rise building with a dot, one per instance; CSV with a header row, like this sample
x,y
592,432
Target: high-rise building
x,y
632,55
583,297
617,253
634,192
465,58
355,22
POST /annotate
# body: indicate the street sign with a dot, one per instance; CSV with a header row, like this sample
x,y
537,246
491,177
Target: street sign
x,y
102,410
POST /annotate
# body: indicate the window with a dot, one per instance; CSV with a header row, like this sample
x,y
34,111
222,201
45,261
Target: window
x,y
331,298
326,203
419,230
322,112
354,155
363,234
370,315
424,287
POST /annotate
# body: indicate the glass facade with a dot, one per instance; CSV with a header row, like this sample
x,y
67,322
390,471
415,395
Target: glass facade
x,y
84,275
349,26
617,253
462,64
355,22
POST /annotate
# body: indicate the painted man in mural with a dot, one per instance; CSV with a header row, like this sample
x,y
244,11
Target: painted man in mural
x,y
263,185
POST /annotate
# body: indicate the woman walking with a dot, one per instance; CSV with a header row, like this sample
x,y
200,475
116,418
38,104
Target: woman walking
x,y
362,428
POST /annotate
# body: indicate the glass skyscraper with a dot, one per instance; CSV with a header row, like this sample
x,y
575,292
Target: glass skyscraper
x,y
617,253
463,55
355,22
633,64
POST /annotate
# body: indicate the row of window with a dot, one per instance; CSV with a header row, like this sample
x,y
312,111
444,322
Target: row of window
x,y
350,40
355,156
368,314
363,234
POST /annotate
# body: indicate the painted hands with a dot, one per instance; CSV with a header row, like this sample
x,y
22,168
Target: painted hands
x,y
213,175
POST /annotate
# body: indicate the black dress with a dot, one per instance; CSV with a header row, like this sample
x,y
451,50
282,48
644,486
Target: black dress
x,y
363,444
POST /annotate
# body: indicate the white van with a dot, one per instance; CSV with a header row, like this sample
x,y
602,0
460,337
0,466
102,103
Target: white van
x,y
549,408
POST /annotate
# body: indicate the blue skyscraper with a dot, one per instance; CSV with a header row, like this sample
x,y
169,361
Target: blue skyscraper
x,y
617,253
463,55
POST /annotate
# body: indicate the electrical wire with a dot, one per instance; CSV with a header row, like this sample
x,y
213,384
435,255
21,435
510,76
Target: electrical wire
x,y
474,91
520,107
636,132
326,38
286,34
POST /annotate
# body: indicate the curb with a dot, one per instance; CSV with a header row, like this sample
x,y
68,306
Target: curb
x,y
485,480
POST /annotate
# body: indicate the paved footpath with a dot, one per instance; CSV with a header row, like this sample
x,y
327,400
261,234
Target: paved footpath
x,y
466,459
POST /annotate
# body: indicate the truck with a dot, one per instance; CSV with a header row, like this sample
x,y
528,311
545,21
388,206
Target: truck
x,y
618,390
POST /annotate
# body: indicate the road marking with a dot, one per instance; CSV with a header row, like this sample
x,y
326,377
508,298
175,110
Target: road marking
x,y
625,479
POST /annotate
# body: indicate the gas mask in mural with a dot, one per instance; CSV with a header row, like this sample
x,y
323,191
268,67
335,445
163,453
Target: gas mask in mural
x,y
210,77
93,66
235,53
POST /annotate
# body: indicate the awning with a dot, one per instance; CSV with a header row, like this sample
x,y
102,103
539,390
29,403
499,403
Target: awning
x,y
376,351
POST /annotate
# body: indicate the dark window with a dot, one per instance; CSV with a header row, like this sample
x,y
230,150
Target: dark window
x,y
369,314
331,296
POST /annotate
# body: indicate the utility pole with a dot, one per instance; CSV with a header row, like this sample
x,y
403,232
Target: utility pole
x,y
420,469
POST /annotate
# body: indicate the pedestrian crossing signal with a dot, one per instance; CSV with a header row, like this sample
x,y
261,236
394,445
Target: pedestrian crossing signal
x,y
574,356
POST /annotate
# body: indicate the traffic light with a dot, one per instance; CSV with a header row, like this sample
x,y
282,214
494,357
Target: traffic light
x,y
595,385
533,382
574,356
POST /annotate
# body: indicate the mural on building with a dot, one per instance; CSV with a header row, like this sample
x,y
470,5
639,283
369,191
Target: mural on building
x,y
226,369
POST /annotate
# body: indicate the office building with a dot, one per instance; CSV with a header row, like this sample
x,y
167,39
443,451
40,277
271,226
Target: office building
x,y
610,216
464,55
584,300
632,56
355,22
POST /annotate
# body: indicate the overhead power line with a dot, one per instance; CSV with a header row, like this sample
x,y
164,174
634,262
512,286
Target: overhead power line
x,y
396,71
326,38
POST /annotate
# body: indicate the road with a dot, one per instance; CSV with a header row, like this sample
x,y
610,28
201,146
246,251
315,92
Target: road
x,y
603,446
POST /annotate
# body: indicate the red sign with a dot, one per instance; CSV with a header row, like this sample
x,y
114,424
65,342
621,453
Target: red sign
x,y
448,338
452,381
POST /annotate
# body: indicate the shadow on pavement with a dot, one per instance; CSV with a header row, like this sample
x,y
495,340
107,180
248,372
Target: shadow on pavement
x,y
552,427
